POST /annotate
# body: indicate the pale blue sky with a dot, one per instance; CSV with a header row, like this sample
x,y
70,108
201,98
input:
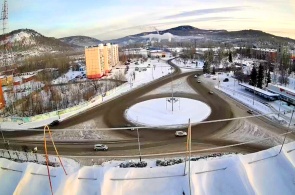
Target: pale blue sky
x,y
108,19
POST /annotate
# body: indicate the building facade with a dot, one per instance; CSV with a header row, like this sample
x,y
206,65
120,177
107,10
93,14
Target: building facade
x,y
2,100
100,59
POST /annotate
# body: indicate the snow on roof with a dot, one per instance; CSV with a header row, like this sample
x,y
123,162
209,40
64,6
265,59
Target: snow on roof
x,y
258,90
265,49
265,172
282,90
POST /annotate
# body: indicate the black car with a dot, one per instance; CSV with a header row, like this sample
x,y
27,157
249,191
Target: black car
x,y
54,123
250,111
225,80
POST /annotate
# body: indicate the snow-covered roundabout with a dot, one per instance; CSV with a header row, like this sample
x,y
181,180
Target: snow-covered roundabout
x,y
171,112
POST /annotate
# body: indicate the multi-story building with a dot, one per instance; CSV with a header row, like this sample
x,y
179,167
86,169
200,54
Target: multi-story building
x,y
115,55
100,59
265,54
94,57
2,100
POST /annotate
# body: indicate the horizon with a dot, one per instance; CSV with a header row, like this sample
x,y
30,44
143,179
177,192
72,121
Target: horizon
x,y
118,18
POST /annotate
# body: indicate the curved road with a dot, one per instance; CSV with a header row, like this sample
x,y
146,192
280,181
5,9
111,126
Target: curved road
x,y
152,140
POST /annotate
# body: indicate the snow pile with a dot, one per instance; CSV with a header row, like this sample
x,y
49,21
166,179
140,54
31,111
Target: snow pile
x,y
158,112
265,172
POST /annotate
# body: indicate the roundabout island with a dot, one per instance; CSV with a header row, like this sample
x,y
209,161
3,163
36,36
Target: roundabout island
x,y
167,113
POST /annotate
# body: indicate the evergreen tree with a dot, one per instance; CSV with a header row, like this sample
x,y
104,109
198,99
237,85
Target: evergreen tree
x,y
260,76
230,57
253,76
213,70
206,67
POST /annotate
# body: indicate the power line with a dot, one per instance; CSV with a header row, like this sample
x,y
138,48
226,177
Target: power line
x,y
183,152
161,126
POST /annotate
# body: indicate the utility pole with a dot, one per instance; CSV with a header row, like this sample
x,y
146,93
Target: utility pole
x,y
138,142
172,99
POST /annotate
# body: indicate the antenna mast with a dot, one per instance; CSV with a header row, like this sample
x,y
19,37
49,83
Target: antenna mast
x,y
4,18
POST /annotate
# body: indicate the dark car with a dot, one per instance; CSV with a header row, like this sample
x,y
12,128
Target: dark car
x,y
129,125
54,123
225,80
250,111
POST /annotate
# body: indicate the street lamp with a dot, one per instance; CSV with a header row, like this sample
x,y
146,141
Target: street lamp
x,y
138,141
253,90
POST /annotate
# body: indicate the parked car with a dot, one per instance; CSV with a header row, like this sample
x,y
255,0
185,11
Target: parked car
x,y
196,76
211,92
54,123
100,147
199,81
225,80
180,134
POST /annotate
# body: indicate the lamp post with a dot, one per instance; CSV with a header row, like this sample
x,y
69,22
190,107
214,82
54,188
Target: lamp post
x,y
234,86
253,90
138,142
172,99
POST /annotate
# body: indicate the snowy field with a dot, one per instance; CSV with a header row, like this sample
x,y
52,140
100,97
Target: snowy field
x,y
265,172
159,112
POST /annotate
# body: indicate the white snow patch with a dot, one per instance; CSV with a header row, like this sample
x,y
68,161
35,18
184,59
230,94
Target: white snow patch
x,y
158,112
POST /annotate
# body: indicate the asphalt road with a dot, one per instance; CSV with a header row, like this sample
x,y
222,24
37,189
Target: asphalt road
x,y
152,140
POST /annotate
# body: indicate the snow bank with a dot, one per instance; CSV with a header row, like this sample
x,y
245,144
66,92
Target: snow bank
x,y
265,172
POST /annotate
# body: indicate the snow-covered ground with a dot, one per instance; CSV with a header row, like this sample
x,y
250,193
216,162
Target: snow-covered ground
x,y
137,76
189,65
254,102
158,112
178,86
265,172
69,76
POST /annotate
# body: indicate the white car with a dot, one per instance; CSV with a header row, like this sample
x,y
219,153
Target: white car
x,y
196,76
180,133
199,81
100,147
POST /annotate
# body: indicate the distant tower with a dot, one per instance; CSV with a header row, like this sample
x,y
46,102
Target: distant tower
x,y
4,18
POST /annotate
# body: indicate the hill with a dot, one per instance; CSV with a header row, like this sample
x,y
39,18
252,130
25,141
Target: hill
x,y
23,39
80,41
191,34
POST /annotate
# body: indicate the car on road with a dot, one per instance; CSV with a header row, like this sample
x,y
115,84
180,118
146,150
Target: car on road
x,y
180,134
129,125
199,81
196,76
54,123
225,80
211,92
250,111
100,147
